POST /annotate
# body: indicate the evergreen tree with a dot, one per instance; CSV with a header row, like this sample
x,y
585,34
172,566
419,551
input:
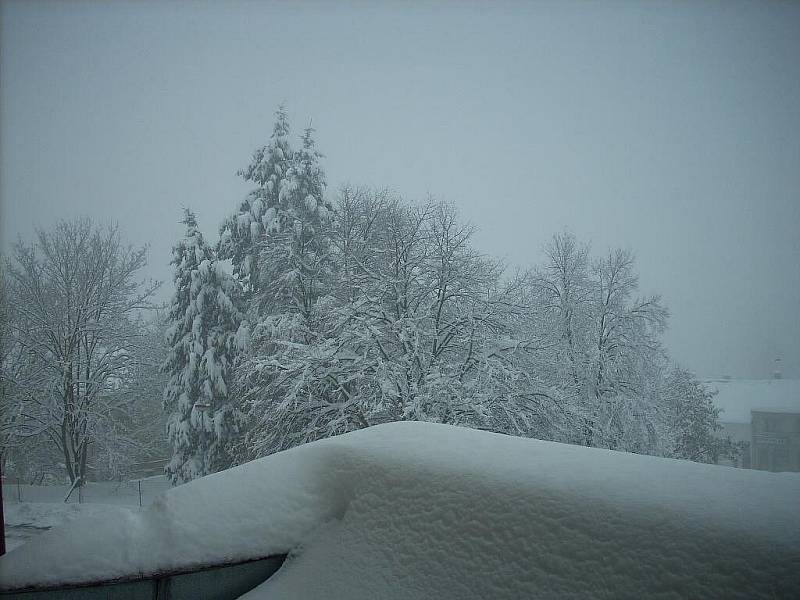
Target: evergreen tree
x,y
294,257
242,233
205,328
295,268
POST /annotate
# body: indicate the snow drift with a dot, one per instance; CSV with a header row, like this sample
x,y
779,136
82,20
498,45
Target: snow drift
x,y
410,510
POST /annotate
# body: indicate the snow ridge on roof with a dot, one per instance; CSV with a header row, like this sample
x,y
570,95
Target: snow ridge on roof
x,y
410,510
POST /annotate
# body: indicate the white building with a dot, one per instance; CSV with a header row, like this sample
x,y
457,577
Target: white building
x,y
765,415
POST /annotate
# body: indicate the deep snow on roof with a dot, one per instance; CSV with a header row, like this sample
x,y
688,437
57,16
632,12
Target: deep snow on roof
x,y
410,510
738,397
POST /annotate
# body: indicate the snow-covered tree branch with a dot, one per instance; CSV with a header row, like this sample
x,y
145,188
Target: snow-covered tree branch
x,y
74,333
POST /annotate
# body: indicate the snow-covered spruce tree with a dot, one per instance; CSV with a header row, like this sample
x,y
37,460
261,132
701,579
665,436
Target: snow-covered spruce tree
x,y
295,269
294,252
242,233
202,337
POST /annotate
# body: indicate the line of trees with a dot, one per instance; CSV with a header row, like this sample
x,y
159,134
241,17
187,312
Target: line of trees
x,y
348,311
316,314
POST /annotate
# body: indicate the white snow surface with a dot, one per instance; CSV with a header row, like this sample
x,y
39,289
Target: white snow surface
x,y
26,520
418,510
738,397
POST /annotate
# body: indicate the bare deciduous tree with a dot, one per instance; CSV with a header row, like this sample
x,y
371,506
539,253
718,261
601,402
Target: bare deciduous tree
x,y
75,298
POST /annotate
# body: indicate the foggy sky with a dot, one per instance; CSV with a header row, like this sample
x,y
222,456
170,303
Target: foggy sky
x,y
671,129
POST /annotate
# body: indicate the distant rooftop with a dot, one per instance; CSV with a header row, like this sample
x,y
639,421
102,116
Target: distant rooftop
x,y
738,397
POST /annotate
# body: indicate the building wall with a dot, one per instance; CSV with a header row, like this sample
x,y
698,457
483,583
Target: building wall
x,y
775,444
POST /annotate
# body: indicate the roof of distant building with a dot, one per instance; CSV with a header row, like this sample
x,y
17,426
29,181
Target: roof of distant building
x,y
738,397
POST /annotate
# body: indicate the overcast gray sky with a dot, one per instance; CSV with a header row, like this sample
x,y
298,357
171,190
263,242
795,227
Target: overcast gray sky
x,y
672,129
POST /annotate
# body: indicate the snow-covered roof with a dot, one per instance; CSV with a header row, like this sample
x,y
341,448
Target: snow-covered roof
x,y
738,397
410,510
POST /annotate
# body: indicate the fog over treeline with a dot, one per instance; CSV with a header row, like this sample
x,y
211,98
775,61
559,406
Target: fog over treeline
x,y
663,129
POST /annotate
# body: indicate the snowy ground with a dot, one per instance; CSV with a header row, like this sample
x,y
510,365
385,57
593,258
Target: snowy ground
x,y
416,510
30,510
27,520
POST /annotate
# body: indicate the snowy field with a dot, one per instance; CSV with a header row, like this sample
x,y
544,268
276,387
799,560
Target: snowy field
x,y
33,509
26,520
413,510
